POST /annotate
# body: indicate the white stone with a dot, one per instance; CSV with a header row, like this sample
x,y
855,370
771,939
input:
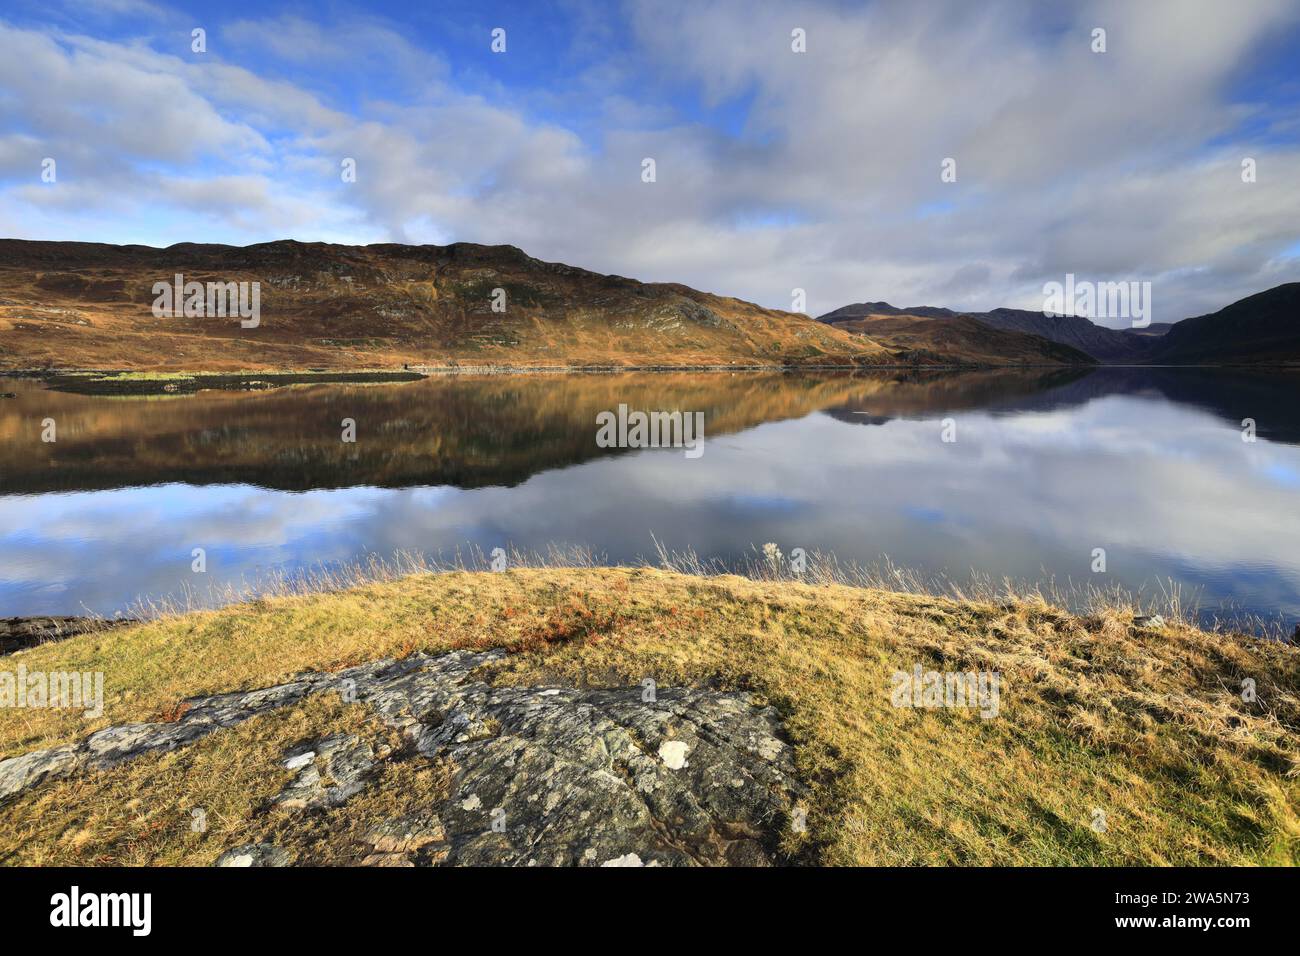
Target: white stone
x,y
295,763
673,754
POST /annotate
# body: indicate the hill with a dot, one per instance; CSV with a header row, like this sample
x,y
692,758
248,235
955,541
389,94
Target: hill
x,y
1262,329
777,734
89,305
960,340
1111,346
1075,332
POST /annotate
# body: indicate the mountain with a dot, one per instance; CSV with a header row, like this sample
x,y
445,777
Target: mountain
x,y
1111,346
89,305
1262,329
959,340
1075,332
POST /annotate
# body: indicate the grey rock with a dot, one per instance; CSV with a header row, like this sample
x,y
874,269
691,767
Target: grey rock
x,y
298,761
254,854
548,776
114,745
19,773
341,767
539,776
17,633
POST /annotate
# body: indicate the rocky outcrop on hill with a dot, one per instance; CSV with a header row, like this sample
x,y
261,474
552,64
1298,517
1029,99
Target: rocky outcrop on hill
x,y
537,775
17,633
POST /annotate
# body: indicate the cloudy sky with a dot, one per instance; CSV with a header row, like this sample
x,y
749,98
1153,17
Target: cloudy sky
x,y
775,169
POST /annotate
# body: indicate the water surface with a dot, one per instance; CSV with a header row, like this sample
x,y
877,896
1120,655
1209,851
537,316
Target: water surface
x,y
1148,464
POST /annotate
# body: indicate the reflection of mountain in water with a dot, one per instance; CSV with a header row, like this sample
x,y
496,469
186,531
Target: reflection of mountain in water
x,y
464,431
1271,398
500,430
922,394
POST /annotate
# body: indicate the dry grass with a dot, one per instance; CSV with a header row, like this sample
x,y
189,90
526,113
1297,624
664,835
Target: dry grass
x,y
187,807
1148,726
83,306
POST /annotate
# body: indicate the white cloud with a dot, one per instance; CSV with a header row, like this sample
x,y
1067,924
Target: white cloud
x,y
1068,161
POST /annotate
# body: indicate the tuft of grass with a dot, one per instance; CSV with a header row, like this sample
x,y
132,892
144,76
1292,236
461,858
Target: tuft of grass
x,y
1148,725
1168,600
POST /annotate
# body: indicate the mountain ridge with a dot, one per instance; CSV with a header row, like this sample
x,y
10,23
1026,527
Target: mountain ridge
x,y
1260,329
324,305
1263,328
932,340
80,305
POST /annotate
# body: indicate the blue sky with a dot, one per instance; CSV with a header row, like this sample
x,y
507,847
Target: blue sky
x,y
776,170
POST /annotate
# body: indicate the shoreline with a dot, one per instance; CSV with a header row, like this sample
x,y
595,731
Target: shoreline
x,y
142,382
1143,609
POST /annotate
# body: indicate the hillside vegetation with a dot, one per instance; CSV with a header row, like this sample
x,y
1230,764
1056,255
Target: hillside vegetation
x,y
1144,728
88,305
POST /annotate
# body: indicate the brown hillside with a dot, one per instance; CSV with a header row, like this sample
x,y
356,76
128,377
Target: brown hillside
x,y
88,305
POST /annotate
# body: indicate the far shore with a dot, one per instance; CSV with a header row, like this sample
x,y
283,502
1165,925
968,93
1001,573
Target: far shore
x,y
90,381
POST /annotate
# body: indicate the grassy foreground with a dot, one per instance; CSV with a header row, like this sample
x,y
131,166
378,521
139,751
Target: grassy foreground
x,y
1147,726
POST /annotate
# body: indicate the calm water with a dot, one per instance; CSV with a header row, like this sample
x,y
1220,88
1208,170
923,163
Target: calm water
x,y
1148,464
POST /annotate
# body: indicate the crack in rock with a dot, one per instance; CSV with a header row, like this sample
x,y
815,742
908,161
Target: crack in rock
x,y
540,776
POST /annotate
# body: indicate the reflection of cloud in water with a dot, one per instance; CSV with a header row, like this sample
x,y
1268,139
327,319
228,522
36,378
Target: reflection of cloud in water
x,y
1167,490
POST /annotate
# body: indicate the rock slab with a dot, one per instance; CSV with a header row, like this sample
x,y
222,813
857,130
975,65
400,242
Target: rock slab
x,y
539,776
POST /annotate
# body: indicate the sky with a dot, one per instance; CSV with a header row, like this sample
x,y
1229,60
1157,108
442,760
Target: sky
x,y
775,170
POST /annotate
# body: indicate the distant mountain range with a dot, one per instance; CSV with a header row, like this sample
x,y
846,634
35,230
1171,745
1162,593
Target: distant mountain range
x,y
1263,329
958,339
75,305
